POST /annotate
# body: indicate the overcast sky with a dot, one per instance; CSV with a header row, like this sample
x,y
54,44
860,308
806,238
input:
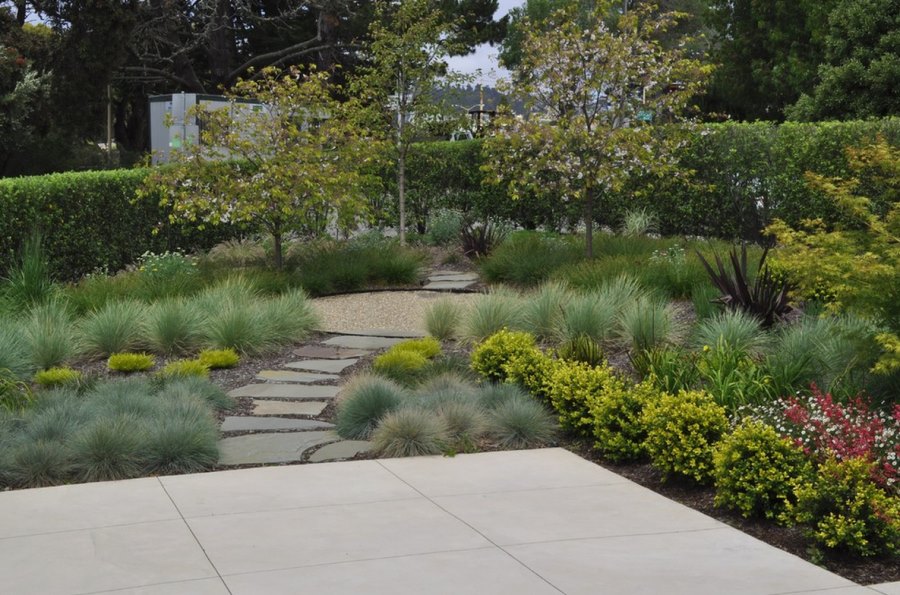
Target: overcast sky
x,y
485,56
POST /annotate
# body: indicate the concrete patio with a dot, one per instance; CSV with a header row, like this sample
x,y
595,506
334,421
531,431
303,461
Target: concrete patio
x,y
522,522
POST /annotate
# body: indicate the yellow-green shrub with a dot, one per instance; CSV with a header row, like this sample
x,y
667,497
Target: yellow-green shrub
x,y
532,370
617,411
682,431
844,510
219,358
57,377
571,388
491,355
183,368
130,362
755,469
427,347
400,366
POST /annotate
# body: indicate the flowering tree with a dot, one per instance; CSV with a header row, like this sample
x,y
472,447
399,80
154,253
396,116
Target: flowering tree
x,y
287,160
596,85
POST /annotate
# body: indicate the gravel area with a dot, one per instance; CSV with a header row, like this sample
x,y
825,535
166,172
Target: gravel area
x,y
395,310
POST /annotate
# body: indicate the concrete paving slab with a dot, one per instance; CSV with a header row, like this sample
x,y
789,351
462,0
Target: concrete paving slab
x,y
445,573
256,542
689,563
266,407
298,377
595,511
286,391
324,352
447,285
454,277
345,449
331,366
276,488
87,506
102,559
269,448
857,590
888,588
499,472
250,424
206,586
362,342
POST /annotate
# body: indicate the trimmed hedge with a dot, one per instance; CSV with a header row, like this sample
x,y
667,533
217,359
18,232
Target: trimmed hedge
x,y
746,175
90,220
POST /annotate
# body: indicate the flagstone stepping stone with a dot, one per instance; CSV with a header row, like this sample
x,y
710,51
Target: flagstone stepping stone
x,y
301,377
345,449
270,448
447,285
250,424
332,366
266,407
286,391
454,277
323,352
448,272
366,342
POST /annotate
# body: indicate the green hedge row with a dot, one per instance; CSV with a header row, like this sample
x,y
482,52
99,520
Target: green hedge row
x,y
90,220
745,175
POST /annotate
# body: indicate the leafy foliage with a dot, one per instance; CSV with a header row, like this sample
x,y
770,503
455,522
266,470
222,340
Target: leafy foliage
x,y
492,356
617,410
572,386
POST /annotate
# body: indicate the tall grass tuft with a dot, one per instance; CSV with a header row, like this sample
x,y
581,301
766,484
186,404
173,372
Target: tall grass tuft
x,y
14,350
528,258
639,222
192,387
703,296
492,395
50,334
238,326
590,315
544,309
733,329
522,423
180,444
288,318
37,464
115,328
364,401
108,449
29,282
646,324
410,433
442,319
173,326
491,313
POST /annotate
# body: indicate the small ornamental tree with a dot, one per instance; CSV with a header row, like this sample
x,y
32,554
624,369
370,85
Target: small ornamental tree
x,y
401,80
595,91
289,160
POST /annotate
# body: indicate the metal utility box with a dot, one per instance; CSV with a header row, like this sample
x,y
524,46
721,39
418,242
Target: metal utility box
x,y
177,109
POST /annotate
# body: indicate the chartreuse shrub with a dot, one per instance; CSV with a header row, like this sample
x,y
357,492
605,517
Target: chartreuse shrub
x,y
363,403
410,432
618,425
184,368
571,388
844,511
755,470
219,358
532,370
682,431
427,347
406,361
442,319
130,362
57,377
492,356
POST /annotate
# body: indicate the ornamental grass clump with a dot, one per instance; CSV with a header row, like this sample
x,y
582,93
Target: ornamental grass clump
x,y
521,423
544,309
492,313
465,423
108,449
442,319
173,326
590,315
403,367
216,359
185,368
14,349
116,327
363,403
682,431
756,469
128,363
410,433
50,334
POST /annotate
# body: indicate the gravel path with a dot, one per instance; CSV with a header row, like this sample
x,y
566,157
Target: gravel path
x,y
397,310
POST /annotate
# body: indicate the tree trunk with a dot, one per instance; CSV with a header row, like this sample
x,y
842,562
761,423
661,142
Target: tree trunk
x,y
276,237
401,193
589,222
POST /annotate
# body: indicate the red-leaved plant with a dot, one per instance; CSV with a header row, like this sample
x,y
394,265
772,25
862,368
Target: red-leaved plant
x,y
825,428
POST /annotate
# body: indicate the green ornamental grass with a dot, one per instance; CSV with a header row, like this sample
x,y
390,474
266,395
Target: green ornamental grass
x,y
364,401
115,328
130,362
410,433
219,358
185,368
442,319
57,377
521,423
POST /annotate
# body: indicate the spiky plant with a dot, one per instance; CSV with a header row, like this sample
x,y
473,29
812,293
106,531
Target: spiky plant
x,y
647,324
410,433
108,449
590,315
735,329
522,423
442,319
115,328
364,401
544,309
50,335
173,326
491,313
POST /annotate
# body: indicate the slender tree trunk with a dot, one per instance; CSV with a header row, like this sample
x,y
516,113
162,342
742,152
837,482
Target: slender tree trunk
x,y
589,222
401,193
276,237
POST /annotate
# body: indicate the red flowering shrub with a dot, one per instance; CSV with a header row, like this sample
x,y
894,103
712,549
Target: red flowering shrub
x,y
825,428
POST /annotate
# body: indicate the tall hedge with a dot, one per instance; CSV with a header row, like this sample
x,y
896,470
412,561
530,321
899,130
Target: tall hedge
x,y
90,220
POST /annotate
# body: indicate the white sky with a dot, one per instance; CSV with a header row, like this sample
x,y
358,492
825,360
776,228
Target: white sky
x,y
485,56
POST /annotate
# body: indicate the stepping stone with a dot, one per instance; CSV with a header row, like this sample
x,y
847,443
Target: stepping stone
x,y
332,366
444,273
286,391
381,333
448,285
321,351
270,448
301,377
454,277
363,342
241,424
265,407
345,449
